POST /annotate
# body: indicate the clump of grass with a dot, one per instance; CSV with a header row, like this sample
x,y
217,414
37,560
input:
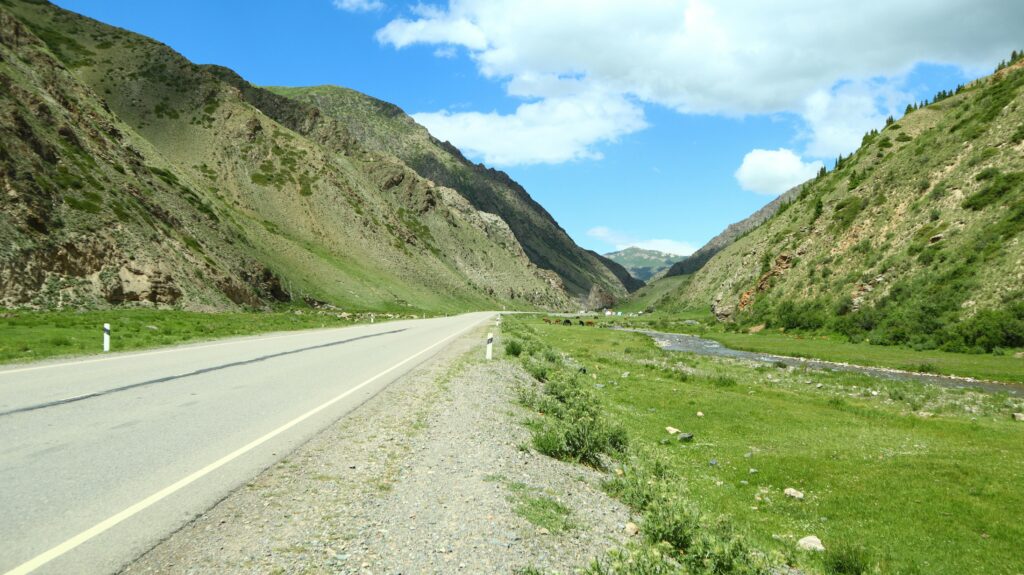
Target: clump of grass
x,y
723,381
846,559
545,512
513,347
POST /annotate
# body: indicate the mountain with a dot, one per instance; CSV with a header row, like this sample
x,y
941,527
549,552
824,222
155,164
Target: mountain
x,y
130,174
385,128
644,264
730,234
914,239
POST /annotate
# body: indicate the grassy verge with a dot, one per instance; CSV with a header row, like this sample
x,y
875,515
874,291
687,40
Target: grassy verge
x,y
897,477
34,335
1006,368
537,507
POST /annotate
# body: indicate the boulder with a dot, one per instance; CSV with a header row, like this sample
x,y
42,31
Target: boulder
x,y
1018,416
810,543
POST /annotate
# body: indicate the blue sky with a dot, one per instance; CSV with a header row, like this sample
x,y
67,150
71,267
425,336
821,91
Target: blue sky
x,y
653,123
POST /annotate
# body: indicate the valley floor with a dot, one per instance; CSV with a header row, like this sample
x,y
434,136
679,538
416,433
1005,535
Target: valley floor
x,y
903,477
430,476
441,473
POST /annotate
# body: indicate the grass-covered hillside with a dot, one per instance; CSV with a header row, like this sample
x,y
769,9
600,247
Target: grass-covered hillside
x,y
133,175
385,128
914,239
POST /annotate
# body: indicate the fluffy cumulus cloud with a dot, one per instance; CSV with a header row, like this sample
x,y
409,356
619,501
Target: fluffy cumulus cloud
x,y
832,62
622,241
771,172
552,130
359,5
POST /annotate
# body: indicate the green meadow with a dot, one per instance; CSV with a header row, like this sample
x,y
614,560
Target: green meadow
x,y
896,477
34,335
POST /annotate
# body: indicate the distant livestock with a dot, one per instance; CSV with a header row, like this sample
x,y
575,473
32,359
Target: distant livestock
x,y
568,321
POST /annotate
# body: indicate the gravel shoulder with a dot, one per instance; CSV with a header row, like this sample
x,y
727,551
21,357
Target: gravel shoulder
x,y
430,476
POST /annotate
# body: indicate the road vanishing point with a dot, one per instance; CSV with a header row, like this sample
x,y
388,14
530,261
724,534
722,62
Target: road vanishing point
x,y
101,458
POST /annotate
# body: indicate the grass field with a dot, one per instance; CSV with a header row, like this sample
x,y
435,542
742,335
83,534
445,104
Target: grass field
x,y
834,348
34,335
898,477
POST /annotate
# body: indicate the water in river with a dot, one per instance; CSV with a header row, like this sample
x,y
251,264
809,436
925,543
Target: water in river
x,y
701,346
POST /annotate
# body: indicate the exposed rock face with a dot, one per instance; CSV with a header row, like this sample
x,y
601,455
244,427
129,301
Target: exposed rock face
x,y
599,299
143,284
782,263
723,312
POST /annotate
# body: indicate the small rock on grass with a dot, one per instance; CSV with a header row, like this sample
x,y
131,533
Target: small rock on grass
x,y
685,437
810,543
671,430
1018,416
632,529
790,492
700,414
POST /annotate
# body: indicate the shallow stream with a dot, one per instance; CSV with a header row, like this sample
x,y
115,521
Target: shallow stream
x,y
702,346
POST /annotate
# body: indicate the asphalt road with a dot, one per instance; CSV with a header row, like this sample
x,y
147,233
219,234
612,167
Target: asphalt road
x,y
101,458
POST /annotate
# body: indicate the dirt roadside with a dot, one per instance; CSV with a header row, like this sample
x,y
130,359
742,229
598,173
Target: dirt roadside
x,y
429,476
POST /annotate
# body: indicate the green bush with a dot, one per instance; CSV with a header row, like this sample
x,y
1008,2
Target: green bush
x,y
671,521
999,185
513,347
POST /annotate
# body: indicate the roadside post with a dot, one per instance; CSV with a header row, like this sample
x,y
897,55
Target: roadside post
x,y
490,346
106,337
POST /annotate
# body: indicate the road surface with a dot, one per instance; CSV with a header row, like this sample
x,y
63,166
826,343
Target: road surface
x,y
101,458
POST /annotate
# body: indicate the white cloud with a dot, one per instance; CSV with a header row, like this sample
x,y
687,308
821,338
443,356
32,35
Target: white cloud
x,y
772,172
446,52
359,5
731,57
838,119
550,131
622,241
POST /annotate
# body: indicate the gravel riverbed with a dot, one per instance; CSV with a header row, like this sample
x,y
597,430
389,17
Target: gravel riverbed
x,y
423,478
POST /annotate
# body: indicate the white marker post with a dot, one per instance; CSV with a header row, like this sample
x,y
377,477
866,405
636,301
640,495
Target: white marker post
x,y
490,346
106,337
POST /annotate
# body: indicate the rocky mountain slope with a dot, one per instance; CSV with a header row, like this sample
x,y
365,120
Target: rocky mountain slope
x,y
385,128
130,174
644,264
730,234
914,239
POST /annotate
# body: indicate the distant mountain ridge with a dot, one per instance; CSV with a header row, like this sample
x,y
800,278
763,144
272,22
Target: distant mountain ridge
x,y
644,264
730,234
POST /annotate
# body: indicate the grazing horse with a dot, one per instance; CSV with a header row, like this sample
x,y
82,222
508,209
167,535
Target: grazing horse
x,y
591,323
546,320
567,322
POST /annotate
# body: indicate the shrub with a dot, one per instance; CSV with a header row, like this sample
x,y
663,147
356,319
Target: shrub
x,y
513,347
999,185
845,559
673,522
